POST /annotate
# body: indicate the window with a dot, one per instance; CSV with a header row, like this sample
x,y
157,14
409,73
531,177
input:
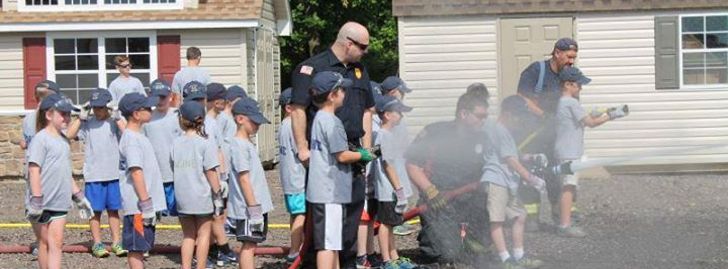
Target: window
x,y
79,64
704,50
79,5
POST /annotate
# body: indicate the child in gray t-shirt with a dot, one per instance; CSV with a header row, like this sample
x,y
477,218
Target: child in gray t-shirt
x,y
197,187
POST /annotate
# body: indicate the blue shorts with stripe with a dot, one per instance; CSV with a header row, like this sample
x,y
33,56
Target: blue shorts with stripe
x,y
135,236
103,195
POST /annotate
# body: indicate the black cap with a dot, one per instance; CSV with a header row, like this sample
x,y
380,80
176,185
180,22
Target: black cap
x,y
194,90
514,104
235,92
58,102
390,103
134,101
48,84
286,97
215,91
392,82
160,87
249,108
191,111
573,74
327,81
566,43
100,97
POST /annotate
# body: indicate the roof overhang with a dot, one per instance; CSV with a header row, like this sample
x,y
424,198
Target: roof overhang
x,y
283,17
122,25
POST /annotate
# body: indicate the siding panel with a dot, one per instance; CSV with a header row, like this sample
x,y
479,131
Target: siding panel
x,y
221,53
11,72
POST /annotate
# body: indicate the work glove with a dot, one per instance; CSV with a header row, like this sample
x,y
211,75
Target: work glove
x,y
401,200
35,209
597,112
83,205
224,188
217,203
115,113
539,159
618,112
536,182
435,199
366,155
256,220
148,214
85,111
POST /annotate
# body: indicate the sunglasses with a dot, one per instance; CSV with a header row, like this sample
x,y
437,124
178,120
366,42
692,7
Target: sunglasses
x,y
362,47
124,65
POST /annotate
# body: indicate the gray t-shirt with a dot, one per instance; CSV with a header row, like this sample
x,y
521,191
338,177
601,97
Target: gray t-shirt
x,y
551,85
213,130
393,155
53,155
137,151
161,130
101,151
292,172
187,74
121,86
329,181
500,146
29,126
227,129
191,157
245,157
569,129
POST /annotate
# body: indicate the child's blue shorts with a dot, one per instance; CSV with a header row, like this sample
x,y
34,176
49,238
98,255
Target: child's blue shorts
x,y
103,195
295,203
135,236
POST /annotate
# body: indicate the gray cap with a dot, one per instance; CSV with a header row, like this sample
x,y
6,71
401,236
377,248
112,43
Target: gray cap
x,y
327,81
191,111
390,103
194,90
286,97
100,97
249,108
160,87
566,43
58,102
573,74
392,82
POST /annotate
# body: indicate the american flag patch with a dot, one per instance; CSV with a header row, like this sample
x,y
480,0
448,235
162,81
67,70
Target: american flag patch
x,y
306,70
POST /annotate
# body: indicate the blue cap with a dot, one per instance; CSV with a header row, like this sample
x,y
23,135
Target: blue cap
x,y
390,103
390,83
566,43
573,74
235,92
100,97
327,81
194,90
215,91
160,87
376,87
249,108
286,97
134,101
58,102
191,111
48,84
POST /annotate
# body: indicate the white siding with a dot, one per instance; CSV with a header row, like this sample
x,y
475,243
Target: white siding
x,y
439,57
617,52
268,17
11,72
223,53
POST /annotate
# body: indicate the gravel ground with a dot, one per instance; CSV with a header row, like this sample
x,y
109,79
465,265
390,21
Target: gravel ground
x,y
633,221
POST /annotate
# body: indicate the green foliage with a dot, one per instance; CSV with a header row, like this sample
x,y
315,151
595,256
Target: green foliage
x,y
316,23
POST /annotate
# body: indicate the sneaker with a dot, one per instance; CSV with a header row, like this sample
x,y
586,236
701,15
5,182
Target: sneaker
x,y
390,265
146,254
528,263
118,250
224,258
362,262
34,249
404,229
405,263
99,250
375,260
510,264
291,258
571,231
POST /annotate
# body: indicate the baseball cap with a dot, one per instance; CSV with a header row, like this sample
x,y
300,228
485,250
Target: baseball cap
x,y
514,104
58,102
327,81
390,103
191,111
566,43
376,87
160,88
235,92
249,108
215,91
49,84
99,97
134,101
194,90
573,74
286,96
392,82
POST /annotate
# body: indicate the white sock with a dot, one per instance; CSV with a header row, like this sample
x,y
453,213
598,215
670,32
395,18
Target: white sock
x,y
518,253
504,256
293,255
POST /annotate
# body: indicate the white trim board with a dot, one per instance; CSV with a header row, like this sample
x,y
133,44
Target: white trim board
x,y
136,25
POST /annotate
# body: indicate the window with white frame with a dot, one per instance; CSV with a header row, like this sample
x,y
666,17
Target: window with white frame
x,y
77,5
79,64
704,50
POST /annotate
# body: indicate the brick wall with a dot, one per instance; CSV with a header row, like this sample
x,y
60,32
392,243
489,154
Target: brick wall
x,y
12,157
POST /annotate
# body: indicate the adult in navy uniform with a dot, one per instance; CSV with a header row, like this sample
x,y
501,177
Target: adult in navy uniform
x,y
343,57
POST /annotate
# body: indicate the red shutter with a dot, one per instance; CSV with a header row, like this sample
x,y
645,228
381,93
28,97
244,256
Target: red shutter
x,y
168,56
34,68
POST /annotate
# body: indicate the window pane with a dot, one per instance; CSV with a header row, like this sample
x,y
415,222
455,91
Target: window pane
x,y
138,44
76,2
65,62
716,40
88,62
28,2
63,46
87,45
72,94
54,2
693,60
85,2
716,23
716,60
88,80
116,45
66,81
692,24
140,61
68,2
693,77
692,41
716,76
